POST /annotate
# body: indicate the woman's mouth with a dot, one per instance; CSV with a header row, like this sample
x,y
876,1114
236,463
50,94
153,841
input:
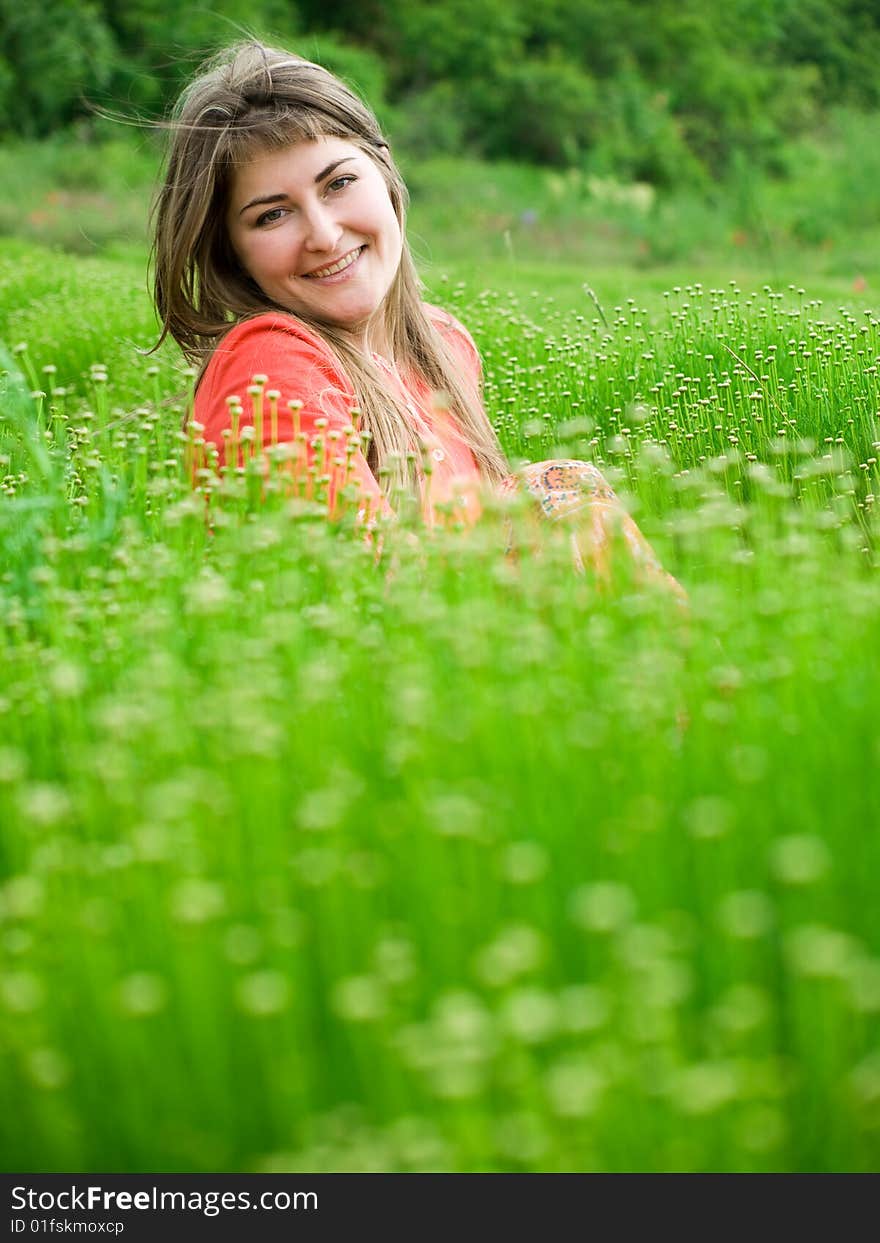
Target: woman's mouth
x,y
337,271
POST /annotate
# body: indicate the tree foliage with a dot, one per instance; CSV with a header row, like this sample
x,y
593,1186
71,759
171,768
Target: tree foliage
x,y
660,90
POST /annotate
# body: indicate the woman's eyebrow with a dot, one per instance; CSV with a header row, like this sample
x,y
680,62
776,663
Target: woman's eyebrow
x,y
268,198
325,172
279,198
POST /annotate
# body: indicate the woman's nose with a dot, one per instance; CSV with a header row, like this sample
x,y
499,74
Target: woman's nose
x,y
322,231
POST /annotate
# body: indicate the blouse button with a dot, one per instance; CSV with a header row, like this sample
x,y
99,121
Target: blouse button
x,y
438,455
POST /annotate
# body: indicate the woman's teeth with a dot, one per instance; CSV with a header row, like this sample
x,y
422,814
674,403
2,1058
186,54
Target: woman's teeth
x,y
340,266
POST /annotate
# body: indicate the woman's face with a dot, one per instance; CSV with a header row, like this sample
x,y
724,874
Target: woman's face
x,y
314,226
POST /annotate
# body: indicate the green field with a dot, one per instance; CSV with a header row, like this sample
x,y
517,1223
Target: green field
x,y
448,862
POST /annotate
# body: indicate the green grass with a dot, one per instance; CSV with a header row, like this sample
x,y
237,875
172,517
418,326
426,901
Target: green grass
x,y
445,862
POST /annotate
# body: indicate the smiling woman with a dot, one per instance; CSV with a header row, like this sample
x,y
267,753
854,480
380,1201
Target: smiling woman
x,y
280,252
313,226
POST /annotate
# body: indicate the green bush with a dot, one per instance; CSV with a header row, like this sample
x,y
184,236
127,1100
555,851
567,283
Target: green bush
x,y
467,41
162,44
52,54
359,67
639,138
431,122
675,93
545,111
842,40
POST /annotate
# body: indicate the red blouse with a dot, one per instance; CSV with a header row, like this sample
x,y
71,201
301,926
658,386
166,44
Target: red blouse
x,y
301,366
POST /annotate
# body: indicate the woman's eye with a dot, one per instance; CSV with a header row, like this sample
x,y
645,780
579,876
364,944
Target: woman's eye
x,y
269,217
339,183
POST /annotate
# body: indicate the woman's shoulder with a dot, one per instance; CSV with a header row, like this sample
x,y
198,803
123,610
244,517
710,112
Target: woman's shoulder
x,y
273,344
270,328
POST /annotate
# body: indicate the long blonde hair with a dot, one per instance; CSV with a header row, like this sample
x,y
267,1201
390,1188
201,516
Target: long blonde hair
x,y
252,98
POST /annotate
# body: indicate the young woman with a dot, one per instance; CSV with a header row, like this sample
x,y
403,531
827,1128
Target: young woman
x,y
280,253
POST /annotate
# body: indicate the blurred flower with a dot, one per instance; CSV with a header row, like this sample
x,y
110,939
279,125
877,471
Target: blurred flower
x,y
799,859
530,1015
21,991
523,863
263,993
48,1068
746,913
742,1008
602,907
863,980
13,765
522,1137
516,950
814,950
704,1088
44,803
864,1086
359,998
196,901
574,1087
709,816
395,960
22,897
583,1008
142,994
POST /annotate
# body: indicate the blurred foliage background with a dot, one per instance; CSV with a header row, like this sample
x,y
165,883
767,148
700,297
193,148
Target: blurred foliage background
x,y
675,125
654,90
